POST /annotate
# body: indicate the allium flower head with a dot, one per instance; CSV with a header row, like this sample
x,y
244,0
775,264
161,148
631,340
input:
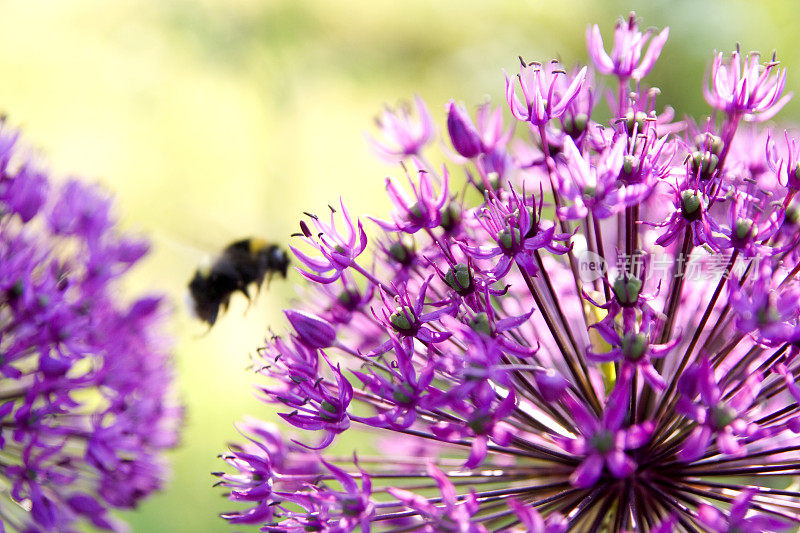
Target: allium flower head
x,y
606,341
87,398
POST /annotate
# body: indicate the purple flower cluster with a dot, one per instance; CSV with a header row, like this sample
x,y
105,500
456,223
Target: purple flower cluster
x,y
504,358
86,397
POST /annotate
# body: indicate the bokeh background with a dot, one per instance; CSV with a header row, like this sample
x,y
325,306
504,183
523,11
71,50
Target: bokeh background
x,y
216,119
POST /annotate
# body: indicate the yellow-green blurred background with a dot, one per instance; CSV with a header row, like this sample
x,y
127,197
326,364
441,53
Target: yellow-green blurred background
x,y
215,119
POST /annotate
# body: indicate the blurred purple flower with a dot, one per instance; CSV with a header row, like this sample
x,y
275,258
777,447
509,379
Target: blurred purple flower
x,y
403,135
88,402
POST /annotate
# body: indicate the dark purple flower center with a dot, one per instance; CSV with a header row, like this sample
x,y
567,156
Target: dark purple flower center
x,y
634,346
352,506
451,216
575,126
792,215
480,324
480,423
404,393
603,441
722,415
402,251
417,213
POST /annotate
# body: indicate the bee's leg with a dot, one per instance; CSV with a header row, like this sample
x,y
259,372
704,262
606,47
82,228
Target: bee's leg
x,y
259,282
244,290
206,332
210,320
226,302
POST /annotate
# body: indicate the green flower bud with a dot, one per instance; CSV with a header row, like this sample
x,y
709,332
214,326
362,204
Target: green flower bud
x,y
479,424
627,290
629,163
459,278
451,216
480,324
402,251
705,163
345,298
574,126
691,205
637,119
508,238
494,180
403,393
708,142
744,229
416,211
328,410
400,319
351,507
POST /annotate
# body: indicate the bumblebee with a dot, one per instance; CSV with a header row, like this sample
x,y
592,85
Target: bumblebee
x,y
241,264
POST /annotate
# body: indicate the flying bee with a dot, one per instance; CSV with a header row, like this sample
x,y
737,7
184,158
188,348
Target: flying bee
x,y
241,264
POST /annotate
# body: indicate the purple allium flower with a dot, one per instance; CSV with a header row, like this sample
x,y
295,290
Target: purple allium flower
x,y
616,351
604,442
471,140
337,251
633,346
312,330
88,401
403,136
626,59
745,88
454,515
787,169
518,232
539,85
739,520
463,134
423,211
715,416
596,188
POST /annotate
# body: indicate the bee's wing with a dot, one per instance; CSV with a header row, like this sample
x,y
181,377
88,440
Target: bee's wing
x,y
184,247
